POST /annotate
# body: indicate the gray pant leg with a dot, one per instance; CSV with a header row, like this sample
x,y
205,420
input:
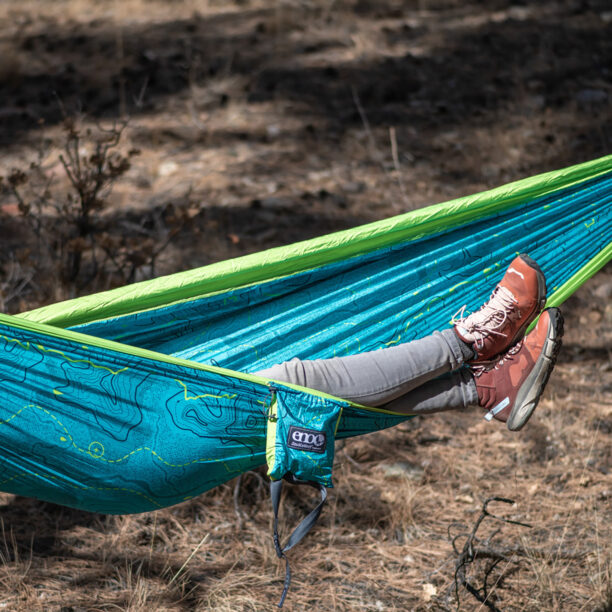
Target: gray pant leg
x,y
451,391
378,377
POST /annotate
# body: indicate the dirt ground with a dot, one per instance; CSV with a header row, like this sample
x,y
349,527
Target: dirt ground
x,y
260,123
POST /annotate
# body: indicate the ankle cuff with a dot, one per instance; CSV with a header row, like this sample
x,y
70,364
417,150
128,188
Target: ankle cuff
x,y
462,351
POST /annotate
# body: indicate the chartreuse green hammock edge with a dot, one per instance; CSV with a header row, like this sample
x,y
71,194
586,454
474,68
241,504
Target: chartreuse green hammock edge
x,y
142,397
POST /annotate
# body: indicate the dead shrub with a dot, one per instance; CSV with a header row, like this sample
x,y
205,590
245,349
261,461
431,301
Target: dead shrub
x,y
71,243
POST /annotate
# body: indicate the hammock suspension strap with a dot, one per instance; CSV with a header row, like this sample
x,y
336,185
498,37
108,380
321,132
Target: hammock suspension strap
x,y
301,530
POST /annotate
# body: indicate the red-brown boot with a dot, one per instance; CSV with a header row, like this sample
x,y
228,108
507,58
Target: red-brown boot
x,y
510,389
500,323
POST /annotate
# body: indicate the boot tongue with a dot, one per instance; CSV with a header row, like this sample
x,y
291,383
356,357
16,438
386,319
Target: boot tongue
x,y
488,318
508,295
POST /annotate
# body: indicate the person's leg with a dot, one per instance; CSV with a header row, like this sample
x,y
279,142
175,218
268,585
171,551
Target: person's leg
x,y
378,377
509,388
382,376
451,391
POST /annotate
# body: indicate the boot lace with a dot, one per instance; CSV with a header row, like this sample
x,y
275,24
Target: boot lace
x,y
490,318
479,368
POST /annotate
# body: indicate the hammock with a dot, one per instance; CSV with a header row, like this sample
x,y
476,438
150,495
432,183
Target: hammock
x,y
142,397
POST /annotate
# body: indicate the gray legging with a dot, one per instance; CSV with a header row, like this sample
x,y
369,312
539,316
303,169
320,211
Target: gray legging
x,y
418,377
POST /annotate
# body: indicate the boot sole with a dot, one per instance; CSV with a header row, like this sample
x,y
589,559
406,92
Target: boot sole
x,y
532,388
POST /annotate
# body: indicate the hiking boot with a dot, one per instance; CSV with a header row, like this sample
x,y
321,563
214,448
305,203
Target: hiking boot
x,y
510,389
515,302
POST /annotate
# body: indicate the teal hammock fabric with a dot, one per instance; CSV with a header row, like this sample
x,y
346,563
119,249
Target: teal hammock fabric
x,y
143,397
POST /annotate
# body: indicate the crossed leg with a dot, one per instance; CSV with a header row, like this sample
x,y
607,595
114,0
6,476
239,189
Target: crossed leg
x,y
506,371
422,376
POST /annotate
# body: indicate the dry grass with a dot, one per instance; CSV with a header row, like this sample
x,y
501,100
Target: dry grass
x,y
262,142
382,542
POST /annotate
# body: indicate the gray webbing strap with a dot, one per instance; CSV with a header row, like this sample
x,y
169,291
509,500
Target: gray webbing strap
x,y
300,531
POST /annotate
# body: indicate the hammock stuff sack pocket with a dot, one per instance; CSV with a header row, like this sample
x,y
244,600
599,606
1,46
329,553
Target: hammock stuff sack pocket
x,y
301,432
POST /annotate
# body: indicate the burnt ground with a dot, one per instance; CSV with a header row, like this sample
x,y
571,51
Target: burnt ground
x,y
261,123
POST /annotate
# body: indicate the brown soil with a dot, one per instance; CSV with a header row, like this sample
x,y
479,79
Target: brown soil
x,y
270,122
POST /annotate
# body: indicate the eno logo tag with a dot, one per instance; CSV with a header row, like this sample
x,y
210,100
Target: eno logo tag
x,y
306,439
